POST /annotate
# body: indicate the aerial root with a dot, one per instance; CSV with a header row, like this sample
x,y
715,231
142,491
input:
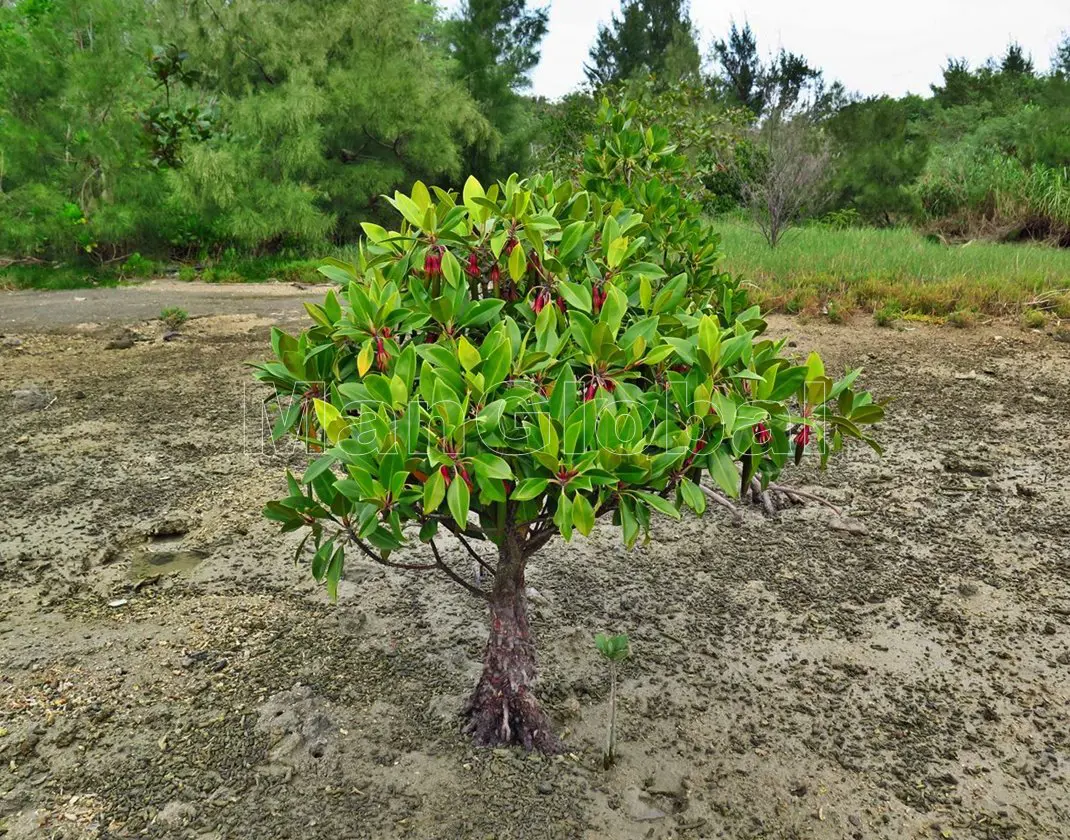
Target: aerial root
x,y
773,499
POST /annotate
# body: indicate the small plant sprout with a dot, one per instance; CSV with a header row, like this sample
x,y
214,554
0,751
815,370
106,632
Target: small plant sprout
x,y
174,317
615,649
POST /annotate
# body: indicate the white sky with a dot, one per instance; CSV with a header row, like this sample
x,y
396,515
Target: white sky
x,y
871,46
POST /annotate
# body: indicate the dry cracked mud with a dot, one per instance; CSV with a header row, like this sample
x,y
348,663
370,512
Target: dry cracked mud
x,y
166,671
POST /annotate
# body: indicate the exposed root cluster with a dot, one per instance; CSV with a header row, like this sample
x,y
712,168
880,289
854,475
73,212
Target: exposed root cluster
x,y
500,717
772,499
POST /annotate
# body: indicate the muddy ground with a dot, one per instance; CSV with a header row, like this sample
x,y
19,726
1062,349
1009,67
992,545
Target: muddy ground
x,y
166,671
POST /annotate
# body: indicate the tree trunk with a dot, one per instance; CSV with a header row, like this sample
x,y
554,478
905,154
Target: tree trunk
x,y
503,710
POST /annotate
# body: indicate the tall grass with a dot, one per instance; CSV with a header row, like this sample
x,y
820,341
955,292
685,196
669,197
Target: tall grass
x,y
867,269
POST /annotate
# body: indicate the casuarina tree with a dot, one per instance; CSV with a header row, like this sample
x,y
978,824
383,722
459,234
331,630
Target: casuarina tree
x,y
650,36
512,364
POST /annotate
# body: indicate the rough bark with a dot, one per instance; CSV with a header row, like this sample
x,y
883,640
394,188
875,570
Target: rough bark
x,y
503,710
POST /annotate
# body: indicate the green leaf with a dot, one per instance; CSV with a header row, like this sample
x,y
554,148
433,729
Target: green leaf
x,y
472,190
723,470
468,355
518,264
613,648
575,295
582,514
628,523
491,466
663,506
321,559
434,491
693,496
563,517
319,467
529,489
428,530
458,499
336,274
334,572
671,294
408,208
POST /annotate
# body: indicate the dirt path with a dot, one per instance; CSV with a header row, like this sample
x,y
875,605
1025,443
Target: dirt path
x,y
165,671
52,311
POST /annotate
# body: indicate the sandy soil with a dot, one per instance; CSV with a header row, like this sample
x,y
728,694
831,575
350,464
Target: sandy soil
x,y
166,671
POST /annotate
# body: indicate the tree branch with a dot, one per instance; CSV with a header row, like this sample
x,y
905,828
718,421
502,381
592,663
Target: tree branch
x,y
802,495
723,501
476,591
486,566
382,561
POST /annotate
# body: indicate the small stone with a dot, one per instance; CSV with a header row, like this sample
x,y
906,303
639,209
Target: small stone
x,y
31,397
1050,629
119,344
855,820
849,526
118,602
640,808
176,814
545,788
967,589
12,342
799,789
1063,658
955,463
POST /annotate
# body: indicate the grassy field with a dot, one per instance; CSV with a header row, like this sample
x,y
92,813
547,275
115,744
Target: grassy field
x,y
814,270
888,271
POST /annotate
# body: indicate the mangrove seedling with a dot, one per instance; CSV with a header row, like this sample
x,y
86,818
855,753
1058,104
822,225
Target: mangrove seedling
x,y
615,650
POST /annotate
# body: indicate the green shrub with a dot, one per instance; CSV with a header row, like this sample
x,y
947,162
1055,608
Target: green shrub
x,y
518,361
1034,319
887,314
962,318
174,317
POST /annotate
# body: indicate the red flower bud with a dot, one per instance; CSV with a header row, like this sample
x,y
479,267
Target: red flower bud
x,y
495,276
762,434
561,304
802,437
592,389
473,265
540,301
463,473
433,262
598,297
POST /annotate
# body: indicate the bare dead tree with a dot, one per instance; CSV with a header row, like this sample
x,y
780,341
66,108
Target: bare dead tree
x,y
793,182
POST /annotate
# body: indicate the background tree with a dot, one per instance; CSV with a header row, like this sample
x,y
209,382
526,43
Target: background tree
x,y
880,152
1016,61
1060,59
531,358
741,70
649,36
75,173
319,120
784,83
793,182
495,45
